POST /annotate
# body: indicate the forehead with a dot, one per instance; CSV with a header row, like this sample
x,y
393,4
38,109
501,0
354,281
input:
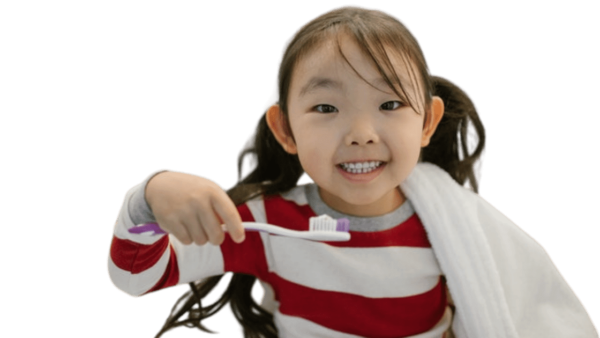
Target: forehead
x,y
340,58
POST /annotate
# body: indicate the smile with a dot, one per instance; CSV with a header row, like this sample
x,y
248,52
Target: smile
x,y
360,168
362,174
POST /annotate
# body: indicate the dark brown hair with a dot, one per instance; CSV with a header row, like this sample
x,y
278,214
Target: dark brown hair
x,y
277,171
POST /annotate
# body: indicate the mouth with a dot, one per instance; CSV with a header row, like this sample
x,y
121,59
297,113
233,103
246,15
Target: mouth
x,y
360,167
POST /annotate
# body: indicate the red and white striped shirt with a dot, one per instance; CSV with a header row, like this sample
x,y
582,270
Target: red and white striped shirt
x,y
384,282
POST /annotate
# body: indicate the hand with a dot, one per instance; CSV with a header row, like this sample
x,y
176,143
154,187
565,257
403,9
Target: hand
x,y
193,208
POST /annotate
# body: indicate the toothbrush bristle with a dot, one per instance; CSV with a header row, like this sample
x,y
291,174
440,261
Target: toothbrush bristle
x,y
326,223
343,224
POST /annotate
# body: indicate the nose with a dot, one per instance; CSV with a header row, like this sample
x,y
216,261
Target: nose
x,y
361,132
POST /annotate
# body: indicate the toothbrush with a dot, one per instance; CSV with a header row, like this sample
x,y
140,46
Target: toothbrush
x,y
322,228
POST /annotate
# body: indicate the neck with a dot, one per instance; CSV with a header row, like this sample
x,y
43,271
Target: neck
x,y
384,205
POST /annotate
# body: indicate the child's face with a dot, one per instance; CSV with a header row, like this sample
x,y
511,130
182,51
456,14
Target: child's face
x,y
339,120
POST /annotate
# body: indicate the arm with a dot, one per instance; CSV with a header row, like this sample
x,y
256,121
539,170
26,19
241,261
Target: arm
x,y
142,263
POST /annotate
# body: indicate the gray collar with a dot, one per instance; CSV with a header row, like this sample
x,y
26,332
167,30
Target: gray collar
x,y
364,224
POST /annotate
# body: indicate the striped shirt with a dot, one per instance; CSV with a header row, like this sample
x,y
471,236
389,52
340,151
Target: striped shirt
x,y
384,282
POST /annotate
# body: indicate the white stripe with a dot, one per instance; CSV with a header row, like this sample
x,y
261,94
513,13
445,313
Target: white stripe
x,y
266,240
370,272
197,261
257,208
296,327
139,283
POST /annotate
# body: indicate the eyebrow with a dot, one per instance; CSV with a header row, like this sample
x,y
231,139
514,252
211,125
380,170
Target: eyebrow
x,y
316,83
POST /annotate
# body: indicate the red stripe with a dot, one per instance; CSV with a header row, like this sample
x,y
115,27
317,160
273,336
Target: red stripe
x,y
287,214
247,257
368,317
171,275
136,257
245,213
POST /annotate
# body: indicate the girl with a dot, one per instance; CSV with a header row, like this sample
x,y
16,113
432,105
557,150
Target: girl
x,y
386,145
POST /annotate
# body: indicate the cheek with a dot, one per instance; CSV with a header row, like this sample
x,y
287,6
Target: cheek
x,y
312,138
406,141
413,129
312,150
315,151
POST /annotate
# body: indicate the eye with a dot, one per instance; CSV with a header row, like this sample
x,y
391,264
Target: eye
x,y
391,105
325,108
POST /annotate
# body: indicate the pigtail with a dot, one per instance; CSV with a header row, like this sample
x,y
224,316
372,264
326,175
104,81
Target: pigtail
x,y
449,145
185,304
256,321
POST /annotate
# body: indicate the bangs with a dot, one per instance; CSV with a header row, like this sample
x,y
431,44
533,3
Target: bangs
x,y
379,36
378,43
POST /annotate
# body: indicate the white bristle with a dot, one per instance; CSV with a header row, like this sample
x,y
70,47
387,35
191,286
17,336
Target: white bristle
x,y
322,223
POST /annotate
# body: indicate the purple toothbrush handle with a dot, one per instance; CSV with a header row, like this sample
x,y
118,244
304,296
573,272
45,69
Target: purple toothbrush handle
x,y
147,227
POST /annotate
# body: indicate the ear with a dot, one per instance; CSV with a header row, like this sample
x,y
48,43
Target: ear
x,y
434,116
279,126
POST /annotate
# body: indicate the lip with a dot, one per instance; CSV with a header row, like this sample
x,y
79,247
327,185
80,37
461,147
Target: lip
x,y
362,177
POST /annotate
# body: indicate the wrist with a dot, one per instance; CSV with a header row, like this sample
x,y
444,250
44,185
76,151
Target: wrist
x,y
148,192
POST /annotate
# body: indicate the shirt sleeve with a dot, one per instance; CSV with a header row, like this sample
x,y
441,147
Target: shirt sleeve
x,y
146,262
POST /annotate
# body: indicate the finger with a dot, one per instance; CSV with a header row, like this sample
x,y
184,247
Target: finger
x,y
177,229
212,226
194,228
228,213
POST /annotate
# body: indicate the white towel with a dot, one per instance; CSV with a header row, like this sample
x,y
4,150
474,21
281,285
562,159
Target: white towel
x,y
502,282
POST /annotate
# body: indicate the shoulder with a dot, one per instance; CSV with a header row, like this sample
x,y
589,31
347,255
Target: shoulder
x,y
296,195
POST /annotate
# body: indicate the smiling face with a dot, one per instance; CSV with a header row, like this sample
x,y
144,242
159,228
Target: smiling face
x,y
356,139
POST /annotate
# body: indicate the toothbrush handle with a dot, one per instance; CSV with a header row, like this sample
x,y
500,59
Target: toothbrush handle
x,y
147,227
270,229
315,235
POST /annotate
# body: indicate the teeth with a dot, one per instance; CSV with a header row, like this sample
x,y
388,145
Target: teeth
x,y
361,167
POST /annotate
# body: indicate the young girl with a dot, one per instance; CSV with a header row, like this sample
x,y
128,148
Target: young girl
x,y
386,145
